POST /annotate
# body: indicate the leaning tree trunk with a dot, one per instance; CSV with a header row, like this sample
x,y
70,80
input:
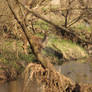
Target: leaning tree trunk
x,y
44,73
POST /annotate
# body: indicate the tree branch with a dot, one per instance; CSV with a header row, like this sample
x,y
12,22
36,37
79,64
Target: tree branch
x,y
46,63
59,28
22,26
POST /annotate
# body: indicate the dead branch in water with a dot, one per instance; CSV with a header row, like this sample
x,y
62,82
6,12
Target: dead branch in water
x,y
50,81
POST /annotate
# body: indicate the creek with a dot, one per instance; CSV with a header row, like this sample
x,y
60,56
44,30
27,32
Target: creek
x,y
12,86
77,71
80,72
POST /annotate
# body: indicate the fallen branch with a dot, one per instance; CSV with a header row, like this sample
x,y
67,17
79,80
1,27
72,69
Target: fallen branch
x,y
75,20
61,29
24,29
49,81
45,62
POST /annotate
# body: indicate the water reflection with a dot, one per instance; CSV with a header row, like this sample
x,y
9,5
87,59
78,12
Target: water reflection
x,y
77,71
18,86
13,86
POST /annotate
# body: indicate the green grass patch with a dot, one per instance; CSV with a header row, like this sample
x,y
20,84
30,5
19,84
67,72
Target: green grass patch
x,y
67,47
28,58
41,35
83,27
41,24
44,9
9,56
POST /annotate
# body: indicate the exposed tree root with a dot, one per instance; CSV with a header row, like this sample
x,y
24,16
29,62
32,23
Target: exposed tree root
x,y
49,80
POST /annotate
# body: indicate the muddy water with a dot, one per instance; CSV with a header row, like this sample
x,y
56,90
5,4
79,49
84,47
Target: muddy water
x,y
13,86
77,71
18,86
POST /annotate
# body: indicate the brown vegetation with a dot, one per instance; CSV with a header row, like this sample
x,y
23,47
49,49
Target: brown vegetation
x,y
51,81
45,73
